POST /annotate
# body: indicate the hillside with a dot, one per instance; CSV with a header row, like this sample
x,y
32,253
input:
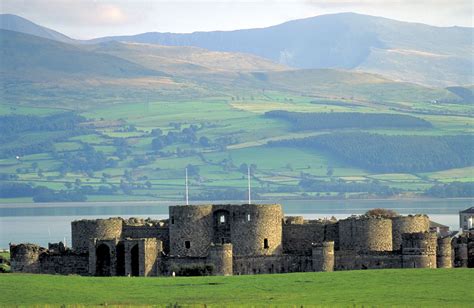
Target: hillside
x,y
29,57
404,51
23,25
183,59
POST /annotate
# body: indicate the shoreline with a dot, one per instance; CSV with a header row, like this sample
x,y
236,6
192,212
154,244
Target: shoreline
x,y
168,203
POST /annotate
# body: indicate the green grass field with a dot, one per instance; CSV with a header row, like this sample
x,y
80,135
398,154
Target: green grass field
x,y
401,288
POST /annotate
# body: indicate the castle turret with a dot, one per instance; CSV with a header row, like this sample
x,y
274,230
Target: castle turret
x,y
220,256
190,230
25,258
82,231
461,252
323,257
408,224
365,234
419,250
443,253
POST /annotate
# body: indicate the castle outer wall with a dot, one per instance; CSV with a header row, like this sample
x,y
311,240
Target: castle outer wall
x,y
243,239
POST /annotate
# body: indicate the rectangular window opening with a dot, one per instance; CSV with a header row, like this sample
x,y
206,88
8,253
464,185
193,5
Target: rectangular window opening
x,y
187,244
172,220
248,217
265,244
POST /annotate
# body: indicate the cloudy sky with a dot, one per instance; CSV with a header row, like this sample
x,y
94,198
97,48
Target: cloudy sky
x,y
84,19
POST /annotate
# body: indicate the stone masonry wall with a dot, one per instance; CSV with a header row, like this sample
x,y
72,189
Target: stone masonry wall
x,y
365,234
408,224
193,224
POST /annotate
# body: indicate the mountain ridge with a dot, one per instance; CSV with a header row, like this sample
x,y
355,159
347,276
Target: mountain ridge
x,y
402,51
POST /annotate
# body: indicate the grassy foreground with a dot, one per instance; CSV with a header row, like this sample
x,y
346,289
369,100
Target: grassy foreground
x,y
447,288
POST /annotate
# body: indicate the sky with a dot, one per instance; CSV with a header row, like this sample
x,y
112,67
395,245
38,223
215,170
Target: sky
x,y
86,19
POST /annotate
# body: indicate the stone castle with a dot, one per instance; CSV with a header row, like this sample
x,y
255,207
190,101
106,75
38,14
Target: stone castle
x,y
243,239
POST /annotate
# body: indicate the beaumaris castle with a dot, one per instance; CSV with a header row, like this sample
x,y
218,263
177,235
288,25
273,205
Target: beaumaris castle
x,y
244,239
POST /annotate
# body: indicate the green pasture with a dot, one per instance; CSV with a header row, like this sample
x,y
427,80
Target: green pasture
x,y
401,288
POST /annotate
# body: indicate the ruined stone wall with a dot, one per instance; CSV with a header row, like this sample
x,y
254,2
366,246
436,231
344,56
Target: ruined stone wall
x,y
294,220
365,234
30,258
323,257
161,233
111,244
24,258
152,249
461,249
190,224
220,256
66,263
174,263
351,260
82,231
443,253
271,264
253,226
408,224
298,238
419,250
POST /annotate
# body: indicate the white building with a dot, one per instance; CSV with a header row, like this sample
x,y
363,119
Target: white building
x,y
466,218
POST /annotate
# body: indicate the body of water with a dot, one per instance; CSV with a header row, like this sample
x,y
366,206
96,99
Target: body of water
x,y
51,222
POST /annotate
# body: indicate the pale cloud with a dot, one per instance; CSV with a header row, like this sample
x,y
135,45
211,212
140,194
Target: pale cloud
x,y
95,18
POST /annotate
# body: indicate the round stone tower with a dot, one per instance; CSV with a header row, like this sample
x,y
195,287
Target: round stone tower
x,y
419,250
365,234
220,256
443,253
190,230
25,258
408,224
82,231
257,229
323,257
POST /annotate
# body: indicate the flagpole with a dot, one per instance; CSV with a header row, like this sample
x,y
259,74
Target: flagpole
x,y
187,191
248,182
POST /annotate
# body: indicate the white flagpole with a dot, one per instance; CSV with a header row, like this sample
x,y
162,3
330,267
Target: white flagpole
x,y
248,182
187,192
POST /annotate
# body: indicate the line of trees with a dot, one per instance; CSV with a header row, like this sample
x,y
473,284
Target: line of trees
x,y
11,124
333,120
384,153
452,190
343,187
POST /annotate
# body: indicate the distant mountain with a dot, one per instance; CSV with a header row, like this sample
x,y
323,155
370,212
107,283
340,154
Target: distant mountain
x,y
403,51
184,60
20,24
30,57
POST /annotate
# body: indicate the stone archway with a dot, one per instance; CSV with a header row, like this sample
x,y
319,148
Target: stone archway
x,y
135,260
120,269
103,260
